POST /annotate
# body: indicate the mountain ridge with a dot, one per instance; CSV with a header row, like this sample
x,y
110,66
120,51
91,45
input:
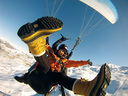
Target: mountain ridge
x,y
15,62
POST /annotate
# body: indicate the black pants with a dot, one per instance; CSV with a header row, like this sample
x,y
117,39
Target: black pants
x,y
42,79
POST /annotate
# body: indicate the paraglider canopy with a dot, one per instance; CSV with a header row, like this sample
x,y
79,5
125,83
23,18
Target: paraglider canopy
x,y
104,7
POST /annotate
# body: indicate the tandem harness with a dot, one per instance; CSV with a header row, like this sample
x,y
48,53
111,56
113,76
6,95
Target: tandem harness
x,y
59,63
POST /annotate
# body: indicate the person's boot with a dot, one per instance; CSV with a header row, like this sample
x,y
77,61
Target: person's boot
x,y
34,34
96,87
22,79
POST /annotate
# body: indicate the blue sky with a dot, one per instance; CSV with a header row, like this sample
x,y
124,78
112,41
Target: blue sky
x,y
107,43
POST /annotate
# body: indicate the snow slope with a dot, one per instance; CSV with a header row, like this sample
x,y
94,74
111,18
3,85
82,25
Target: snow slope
x,y
14,62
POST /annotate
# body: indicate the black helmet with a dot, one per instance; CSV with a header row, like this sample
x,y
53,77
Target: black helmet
x,y
64,48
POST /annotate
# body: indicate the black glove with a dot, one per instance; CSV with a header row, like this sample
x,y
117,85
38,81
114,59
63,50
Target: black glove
x,y
89,62
64,38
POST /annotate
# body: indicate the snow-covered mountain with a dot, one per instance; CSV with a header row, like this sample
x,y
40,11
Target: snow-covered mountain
x,y
14,62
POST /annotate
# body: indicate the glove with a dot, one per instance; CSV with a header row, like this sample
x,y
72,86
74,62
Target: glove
x,y
89,62
64,38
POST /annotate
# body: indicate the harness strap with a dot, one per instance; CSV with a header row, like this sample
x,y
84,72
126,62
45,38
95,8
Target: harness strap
x,y
58,62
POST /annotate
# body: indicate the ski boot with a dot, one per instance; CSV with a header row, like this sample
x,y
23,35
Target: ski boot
x,y
22,79
34,34
96,87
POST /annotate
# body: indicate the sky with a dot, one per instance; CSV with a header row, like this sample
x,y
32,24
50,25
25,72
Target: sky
x,y
107,43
